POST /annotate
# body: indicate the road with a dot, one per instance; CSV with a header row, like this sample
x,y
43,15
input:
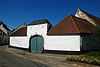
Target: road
x,y
9,60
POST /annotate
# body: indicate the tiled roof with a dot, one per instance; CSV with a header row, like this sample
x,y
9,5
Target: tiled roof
x,y
20,32
71,25
94,18
41,21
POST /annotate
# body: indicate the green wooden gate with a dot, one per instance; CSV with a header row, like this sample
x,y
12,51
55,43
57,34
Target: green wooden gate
x,y
37,43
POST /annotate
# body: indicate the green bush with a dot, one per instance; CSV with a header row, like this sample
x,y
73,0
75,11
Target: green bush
x,y
94,53
89,58
85,59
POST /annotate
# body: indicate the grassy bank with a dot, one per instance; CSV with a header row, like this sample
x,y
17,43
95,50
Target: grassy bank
x,y
89,58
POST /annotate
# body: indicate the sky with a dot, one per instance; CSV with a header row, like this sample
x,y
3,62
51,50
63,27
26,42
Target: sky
x,y
15,12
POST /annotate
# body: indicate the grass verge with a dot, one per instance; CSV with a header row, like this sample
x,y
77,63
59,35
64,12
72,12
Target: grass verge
x,y
89,58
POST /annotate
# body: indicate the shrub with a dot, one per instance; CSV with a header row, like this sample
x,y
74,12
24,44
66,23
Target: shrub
x,y
94,53
85,59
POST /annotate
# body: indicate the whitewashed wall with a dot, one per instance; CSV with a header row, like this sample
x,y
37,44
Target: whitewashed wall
x,y
63,43
40,29
19,41
23,41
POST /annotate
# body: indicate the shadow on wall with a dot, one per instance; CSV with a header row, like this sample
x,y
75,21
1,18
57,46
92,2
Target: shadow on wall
x,y
63,52
89,44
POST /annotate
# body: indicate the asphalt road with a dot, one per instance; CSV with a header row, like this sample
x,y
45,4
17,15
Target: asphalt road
x,y
9,60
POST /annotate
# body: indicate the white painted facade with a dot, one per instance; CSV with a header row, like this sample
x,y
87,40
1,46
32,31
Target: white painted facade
x,y
40,29
63,43
51,42
57,42
19,41
82,15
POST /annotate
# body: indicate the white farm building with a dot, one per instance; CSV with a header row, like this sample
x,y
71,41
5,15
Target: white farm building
x,y
71,34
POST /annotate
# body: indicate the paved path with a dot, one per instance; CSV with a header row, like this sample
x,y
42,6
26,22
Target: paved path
x,y
49,60
9,60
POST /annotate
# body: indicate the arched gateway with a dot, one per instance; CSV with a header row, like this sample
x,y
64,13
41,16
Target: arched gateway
x,y
36,44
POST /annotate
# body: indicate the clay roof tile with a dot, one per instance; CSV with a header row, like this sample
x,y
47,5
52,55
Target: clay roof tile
x,y
71,25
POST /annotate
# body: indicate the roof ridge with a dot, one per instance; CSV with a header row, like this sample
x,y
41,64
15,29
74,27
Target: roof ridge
x,y
89,15
40,21
15,31
75,23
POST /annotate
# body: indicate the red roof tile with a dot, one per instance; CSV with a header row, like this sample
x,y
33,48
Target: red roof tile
x,y
94,18
41,21
20,32
72,25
